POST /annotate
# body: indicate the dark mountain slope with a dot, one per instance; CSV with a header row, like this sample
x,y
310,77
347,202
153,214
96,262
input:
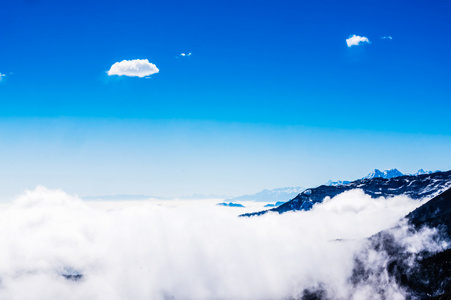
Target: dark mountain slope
x,y
425,275
435,213
416,187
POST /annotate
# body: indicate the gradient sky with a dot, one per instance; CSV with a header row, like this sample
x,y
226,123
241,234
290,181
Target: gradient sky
x,y
271,96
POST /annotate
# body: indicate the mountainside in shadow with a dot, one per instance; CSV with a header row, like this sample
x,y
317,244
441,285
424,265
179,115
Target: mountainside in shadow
x,y
414,186
422,275
436,213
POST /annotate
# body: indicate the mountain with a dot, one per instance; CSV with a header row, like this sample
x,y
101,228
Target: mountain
x,y
275,195
421,172
434,213
339,182
424,275
416,187
230,204
126,197
392,173
120,197
275,204
286,193
383,174
376,174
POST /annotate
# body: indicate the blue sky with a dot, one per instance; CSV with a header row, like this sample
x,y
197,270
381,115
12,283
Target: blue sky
x,y
271,92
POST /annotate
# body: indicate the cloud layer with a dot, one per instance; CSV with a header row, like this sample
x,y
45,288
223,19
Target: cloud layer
x,y
133,68
196,251
355,40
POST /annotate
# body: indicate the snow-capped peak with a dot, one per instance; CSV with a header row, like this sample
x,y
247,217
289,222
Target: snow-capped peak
x,y
421,172
335,183
387,174
381,174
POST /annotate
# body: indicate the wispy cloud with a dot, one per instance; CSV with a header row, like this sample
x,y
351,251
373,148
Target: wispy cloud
x,y
133,68
355,40
1,76
386,37
185,54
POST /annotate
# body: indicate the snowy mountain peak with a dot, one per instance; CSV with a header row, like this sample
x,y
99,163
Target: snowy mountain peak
x,y
415,187
392,173
421,172
335,183
387,174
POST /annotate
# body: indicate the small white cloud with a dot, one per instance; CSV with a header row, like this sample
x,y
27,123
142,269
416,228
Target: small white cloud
x,y
185,54
355,40
133,68
1,76
386,37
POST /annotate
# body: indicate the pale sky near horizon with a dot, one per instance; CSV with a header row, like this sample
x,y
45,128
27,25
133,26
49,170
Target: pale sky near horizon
x,y
178,158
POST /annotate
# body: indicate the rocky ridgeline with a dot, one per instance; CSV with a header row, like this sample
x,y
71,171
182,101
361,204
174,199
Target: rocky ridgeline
x,y
414,186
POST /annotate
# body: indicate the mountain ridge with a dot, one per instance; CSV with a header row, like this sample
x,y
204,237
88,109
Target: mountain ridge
x,y
387,174
273,195
414,186
424,275
391,173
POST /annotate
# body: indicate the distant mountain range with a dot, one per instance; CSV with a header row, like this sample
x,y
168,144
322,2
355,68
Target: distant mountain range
x,y
126,197
230,204
275,195
414,186
120,197
383,174
287,193
387,174
275,204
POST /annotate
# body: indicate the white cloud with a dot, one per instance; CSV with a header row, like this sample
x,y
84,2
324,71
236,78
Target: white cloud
x,y
355,40
133,68
185,54
147,250
387,37
1,76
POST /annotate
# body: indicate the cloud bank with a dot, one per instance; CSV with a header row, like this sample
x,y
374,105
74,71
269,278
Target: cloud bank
x,y
355,40
197,251
133,68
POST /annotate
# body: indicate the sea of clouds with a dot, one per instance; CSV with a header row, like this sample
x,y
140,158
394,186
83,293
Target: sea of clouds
x,y
194,250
